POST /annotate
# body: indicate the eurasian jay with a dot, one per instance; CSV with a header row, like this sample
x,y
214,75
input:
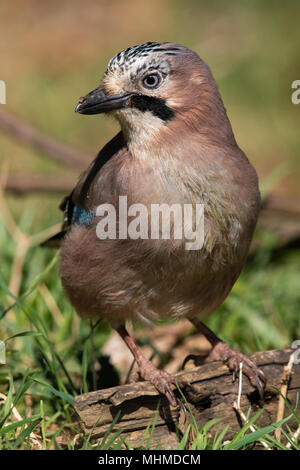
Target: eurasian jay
x,y
175,147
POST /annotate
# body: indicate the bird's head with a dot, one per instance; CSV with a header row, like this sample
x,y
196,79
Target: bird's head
x,y
153,88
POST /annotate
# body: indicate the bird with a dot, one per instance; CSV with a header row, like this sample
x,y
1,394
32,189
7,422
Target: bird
x,y
175,147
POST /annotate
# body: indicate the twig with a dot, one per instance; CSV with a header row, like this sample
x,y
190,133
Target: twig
x,y
23,241
23,244
29,134
237,405
51,303
27,184
10,224
286,375
294,437
37,238
18,417
281,203
240,386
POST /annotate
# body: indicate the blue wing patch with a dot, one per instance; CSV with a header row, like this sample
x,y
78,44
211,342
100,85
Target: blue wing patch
x,y
81,217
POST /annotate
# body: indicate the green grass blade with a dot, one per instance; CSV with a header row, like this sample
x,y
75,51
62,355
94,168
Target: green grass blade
x,y
8,403
219,439
254,436
109,430
85,365
63,395
183,442
17,424
26,432
24,333
242,431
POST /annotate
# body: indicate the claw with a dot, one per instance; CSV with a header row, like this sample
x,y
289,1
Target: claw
x,y
232,358
170,395
260,388
262,376
183,407
162,381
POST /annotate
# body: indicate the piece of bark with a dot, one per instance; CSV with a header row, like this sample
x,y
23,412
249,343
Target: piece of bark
x,y
212,397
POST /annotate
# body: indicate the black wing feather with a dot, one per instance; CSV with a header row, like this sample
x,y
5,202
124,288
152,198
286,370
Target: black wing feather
x,y
67,205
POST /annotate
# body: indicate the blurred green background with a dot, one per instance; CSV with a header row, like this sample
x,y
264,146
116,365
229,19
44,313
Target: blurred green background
x,y
51,53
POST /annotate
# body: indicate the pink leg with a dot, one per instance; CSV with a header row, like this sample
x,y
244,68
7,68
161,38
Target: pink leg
x,y
232,358
161,380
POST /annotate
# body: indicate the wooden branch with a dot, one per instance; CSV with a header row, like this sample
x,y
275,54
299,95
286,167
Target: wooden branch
x,y
281,215
275,202
213,397
29,134
26,184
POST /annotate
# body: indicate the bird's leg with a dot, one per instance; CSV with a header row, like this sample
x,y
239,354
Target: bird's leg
x,y
231,357
161,380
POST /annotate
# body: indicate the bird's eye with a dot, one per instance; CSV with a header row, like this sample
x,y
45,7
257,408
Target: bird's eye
x,y
152,80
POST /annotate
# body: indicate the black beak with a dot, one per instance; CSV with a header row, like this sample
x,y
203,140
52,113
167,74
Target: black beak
x,y
97,102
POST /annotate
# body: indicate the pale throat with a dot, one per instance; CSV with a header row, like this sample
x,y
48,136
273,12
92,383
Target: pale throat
x,y
141,129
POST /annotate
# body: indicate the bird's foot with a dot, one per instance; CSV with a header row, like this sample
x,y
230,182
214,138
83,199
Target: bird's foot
x,y
162,381
232,358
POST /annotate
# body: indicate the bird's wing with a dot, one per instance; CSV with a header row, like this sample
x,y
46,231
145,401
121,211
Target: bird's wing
x,y
74,207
